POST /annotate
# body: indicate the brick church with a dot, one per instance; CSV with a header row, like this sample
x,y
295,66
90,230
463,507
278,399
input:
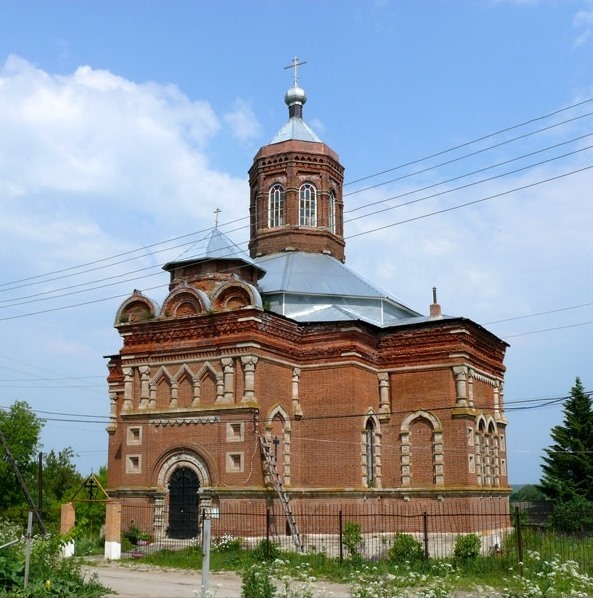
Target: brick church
x,y
283,373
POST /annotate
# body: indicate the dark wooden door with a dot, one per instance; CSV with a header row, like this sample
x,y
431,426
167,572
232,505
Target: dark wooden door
x,y
183,504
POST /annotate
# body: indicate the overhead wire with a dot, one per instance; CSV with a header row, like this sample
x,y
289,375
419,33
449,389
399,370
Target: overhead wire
x,y
477,140
452,190
37,297
102,260
541,313
44,295
123,295
517,405
470,203
465,156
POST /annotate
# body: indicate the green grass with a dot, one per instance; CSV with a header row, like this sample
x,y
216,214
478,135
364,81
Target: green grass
x,y
495,571
320,565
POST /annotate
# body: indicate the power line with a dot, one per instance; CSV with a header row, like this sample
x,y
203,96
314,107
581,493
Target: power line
x,y
518,405
470,203
35,298
541,313
492,166
448,162
550,329
489,135
447,191
102,260
113,256
237,220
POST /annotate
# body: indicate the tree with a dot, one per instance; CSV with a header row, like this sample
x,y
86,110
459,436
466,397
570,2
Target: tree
x,y
60,481
21,429
528,493
568,464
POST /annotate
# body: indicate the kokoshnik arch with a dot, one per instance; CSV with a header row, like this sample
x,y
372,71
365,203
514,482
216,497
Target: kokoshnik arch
x,y
361,398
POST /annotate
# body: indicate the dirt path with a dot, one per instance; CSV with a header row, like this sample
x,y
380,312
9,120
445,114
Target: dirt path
x,y
143,581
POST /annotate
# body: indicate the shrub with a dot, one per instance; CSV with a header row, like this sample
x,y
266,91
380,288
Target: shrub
x,y
548,579
467,547
256,582
294,581
405,548
132,534
352,539
265,550
226,543
49,573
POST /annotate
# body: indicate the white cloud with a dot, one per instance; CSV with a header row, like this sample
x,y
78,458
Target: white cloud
x,y
243,122
94,160
583,21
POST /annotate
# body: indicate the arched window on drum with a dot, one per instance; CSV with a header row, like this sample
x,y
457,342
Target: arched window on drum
x,y
276,206
307,205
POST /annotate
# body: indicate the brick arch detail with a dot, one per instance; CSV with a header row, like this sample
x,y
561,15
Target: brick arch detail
x,y
207,371
247,292
129,310
286,454
163,373
183,458
437,447
186,294
164,468
185,372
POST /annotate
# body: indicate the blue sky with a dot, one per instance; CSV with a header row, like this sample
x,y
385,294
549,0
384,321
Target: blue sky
x,y
125,124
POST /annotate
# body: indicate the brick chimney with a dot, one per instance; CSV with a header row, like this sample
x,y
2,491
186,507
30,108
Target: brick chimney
x,y
435,308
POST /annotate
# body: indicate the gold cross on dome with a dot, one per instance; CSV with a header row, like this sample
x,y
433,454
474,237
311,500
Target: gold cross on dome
x,y
295,65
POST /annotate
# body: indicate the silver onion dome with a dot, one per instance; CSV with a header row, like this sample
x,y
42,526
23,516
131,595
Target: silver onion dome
x,y
295,95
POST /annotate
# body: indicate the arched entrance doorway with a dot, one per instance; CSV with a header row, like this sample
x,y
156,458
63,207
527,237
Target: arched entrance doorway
x,y
183,504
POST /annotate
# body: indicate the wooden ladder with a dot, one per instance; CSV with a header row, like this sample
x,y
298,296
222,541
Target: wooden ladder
x,y
272,474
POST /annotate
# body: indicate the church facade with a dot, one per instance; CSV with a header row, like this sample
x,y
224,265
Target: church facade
x,y
355,397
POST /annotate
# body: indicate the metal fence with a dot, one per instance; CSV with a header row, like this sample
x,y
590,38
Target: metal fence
x,y
505,533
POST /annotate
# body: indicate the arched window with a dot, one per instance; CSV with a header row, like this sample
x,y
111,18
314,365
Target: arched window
x,y
278,435
307,205
276,206
422,450
480,440
370,450
332,212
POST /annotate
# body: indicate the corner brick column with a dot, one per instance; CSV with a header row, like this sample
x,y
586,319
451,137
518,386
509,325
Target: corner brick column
x,y
144,386
296,401
128,389
229,380
249,362
384,406
113,530
460,374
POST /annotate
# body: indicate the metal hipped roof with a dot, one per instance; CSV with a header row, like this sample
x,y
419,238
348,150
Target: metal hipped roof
x,y
314,287
316,274
215,246
295,128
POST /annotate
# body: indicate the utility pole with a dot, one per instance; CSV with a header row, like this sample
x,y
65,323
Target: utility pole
x,y
40,482
21,482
